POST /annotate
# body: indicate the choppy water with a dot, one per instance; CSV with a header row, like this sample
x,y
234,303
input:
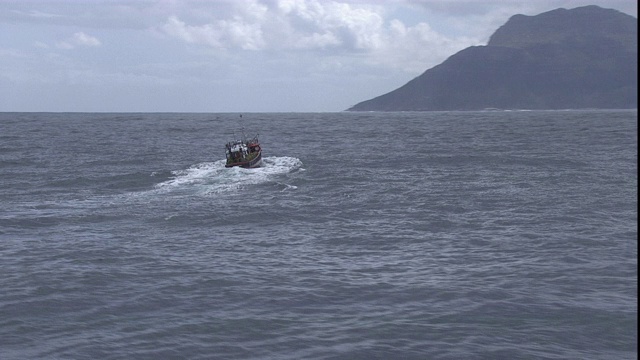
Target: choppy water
x,y
453,235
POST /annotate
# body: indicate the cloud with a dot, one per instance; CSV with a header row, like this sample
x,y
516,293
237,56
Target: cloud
x,y
78,39
331,28
36,14
83,39
255,26
312,23
224,33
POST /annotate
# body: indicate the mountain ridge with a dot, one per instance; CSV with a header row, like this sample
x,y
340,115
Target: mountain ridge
x,y
585,57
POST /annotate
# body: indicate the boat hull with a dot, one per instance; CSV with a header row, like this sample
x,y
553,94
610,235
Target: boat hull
x,y
253,163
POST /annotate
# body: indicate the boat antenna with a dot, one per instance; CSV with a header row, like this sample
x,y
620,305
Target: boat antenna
x,y
244,137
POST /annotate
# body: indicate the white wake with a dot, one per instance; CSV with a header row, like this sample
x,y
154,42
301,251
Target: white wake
x,y
214,178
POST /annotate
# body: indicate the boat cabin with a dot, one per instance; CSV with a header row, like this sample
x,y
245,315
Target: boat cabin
x,y
240,151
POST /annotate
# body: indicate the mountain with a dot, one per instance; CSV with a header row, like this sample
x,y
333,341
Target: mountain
x,y
585,57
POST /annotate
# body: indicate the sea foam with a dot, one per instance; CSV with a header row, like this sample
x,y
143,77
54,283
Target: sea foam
x,y
214,178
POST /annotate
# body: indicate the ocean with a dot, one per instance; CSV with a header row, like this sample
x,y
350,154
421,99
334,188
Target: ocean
x,y
407,235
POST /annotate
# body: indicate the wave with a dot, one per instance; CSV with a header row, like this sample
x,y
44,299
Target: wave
x,y
214,178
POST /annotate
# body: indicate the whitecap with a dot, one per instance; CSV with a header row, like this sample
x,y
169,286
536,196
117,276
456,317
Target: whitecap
x,y
214,178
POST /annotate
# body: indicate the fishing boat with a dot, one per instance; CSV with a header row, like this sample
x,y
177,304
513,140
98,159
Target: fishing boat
x,y
244,152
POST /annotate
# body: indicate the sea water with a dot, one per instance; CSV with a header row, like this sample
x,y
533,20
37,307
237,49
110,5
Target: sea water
x,y
418,235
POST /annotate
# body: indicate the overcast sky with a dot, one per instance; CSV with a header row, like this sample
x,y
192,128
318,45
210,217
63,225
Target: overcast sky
x,y
235,56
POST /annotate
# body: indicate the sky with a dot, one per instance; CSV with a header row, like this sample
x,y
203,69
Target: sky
x,y
235,55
